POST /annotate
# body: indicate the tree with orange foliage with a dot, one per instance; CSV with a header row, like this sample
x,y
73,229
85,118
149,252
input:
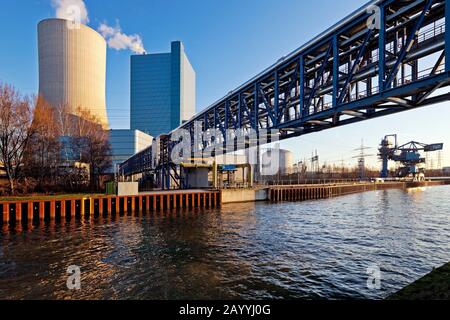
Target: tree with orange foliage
x,y
43,151
32,141
67,150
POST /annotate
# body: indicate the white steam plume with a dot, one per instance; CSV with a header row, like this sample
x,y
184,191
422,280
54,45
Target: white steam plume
x,y
120,41
73,10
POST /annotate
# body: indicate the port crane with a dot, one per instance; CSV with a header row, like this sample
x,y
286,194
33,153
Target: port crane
x,y
408,155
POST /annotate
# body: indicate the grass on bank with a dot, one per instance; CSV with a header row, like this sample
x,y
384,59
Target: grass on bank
x,y
434,286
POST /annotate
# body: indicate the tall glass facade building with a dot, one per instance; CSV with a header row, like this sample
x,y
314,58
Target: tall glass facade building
x,y
162,91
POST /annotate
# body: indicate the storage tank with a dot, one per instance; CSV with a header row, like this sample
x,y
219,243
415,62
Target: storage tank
x,y
285,163
72,67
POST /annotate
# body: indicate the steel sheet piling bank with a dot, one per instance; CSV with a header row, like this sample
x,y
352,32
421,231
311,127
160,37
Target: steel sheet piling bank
x,y
314,192
29,211
39,210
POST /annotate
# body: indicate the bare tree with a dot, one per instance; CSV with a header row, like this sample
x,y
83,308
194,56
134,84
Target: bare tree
x,y
15,131
93,141
49,146
64,120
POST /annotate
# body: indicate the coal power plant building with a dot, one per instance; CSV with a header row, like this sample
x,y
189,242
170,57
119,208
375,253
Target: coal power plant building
x,y
72,67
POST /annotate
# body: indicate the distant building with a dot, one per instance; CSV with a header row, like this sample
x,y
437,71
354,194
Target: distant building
x,y
446,170
72,67
126,143
162,91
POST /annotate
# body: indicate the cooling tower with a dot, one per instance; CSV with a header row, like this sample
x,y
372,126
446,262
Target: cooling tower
x,y
72,67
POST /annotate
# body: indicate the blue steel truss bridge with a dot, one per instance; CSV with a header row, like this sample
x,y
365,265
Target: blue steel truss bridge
x,y
387,57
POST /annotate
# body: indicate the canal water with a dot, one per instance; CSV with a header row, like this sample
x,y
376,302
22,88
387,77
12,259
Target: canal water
x,y
309,250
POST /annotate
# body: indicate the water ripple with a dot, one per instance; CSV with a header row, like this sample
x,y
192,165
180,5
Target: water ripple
x,y
310,250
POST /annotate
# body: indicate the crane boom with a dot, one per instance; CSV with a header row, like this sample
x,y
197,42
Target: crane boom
x,y
407,154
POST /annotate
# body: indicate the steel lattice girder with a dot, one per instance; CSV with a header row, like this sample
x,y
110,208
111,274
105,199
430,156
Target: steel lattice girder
x,y
447,36
348,74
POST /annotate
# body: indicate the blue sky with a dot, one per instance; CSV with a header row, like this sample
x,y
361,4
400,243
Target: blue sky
x,y
228,42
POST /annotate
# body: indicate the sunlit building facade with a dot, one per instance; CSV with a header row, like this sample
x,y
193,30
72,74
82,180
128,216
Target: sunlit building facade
x,y
162,91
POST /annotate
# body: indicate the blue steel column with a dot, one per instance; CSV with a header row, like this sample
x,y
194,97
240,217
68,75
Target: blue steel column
x,y
167,166
227,113
216,121
382,50
258,163
239,115
276,101
335,70
302,86
205,128
216,126
447,35
227,116
256,107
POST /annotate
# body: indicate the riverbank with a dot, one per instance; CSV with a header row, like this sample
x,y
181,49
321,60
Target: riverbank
x,y
316,191
27,210
434,286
